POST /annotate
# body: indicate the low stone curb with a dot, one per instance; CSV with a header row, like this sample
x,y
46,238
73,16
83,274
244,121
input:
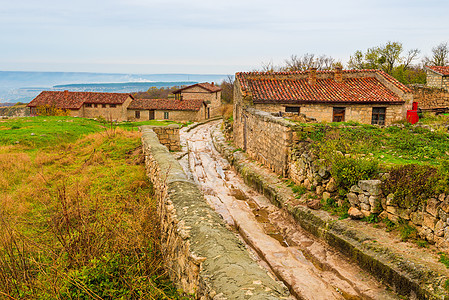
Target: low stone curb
x,y
406,277
190,127
202,256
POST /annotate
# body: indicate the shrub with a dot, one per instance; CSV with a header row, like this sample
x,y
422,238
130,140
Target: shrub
x,y
348,170
411,184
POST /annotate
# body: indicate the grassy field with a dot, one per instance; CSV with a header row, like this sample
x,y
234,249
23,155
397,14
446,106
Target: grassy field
x,y
38,132
77,220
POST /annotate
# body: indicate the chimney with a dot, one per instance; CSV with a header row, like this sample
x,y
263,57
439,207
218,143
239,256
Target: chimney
x,y
338,75
213,83
312,76
66,93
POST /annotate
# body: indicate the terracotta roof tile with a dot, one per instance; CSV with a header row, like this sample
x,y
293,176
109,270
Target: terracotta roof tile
x,y
166,104
205,85
276,87
74,100
440,70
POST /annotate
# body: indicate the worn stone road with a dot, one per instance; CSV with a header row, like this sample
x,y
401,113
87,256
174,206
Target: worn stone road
x,y
306,265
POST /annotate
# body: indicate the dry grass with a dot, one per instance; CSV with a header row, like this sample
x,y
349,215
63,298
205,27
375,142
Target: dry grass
x,y
78,222
226,110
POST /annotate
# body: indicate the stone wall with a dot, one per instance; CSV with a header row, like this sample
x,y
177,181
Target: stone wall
x,y
430,219
266,139
117,113
168,136
201,255
357,113
437,81
429,98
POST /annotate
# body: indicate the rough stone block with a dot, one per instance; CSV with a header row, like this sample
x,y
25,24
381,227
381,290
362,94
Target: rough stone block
x,y
439,228
363,199
356,189
417,218
390,199
353,199
373,187
326,196
331,186
432,206
319,190
429,221
364,206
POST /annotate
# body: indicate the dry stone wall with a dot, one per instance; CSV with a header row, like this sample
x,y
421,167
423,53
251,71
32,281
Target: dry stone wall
x,y
429,98
168,136
201,255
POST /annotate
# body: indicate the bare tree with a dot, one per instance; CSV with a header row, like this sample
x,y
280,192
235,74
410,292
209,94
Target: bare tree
x,y
412,54
307,61
440,56
227,89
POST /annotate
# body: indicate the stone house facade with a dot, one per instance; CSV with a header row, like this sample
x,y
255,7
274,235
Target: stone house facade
x,y
208,92
167,109
365,96
111,106
438,77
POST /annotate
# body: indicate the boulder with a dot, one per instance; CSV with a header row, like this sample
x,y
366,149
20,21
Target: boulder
x,y
416,218
355,213
319,190
356,189
374,202
331,186
353,199
314,204
432,206
429,221
373,187
364,206
326,196
439,228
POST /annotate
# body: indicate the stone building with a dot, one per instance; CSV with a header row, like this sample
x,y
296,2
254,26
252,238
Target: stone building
x,y
208,92
365,96
438,77
111,106
167,109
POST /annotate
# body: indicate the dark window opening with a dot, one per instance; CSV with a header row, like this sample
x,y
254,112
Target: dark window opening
x,y
137,114
293,109
112,105
88,104
95,105
338,114
165,114
378,117
103,105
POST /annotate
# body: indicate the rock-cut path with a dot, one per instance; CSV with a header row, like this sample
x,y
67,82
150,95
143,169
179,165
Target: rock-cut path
x,y
305,264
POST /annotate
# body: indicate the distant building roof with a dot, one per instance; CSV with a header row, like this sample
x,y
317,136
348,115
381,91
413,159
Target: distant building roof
x,y
166,104
74,100
356,86
210,87
443,71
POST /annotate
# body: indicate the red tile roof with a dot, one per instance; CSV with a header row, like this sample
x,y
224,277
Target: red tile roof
x,y
166,104
440,70
74,100
293,87
205,85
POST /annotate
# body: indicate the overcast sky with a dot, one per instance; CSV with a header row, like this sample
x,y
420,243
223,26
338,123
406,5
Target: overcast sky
x,y
205,36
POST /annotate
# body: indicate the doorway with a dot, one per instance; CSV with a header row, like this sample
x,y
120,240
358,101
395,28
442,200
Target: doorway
x,y
338,114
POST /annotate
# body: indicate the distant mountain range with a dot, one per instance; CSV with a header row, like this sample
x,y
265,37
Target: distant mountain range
x,y
24,86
